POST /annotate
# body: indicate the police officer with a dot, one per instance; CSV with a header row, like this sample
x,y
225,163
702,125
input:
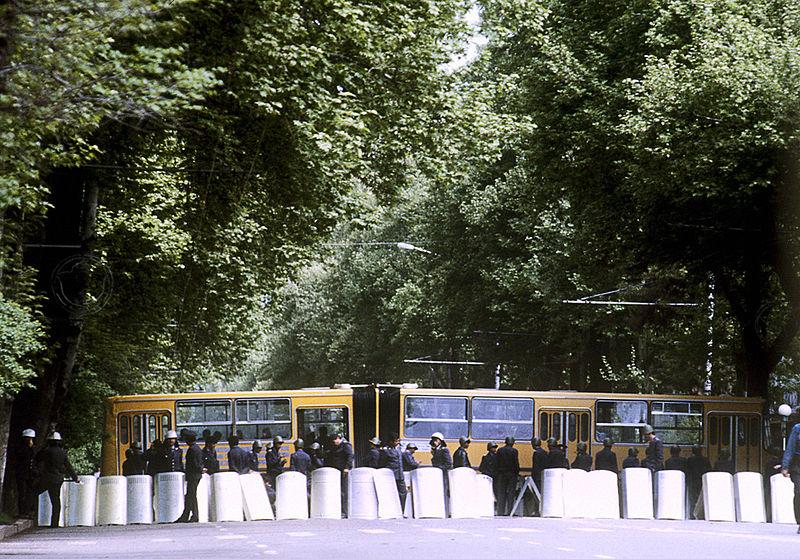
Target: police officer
x,y
341,457
299,460
790,467
134,465
254,454
238,458
632,461
194,472
153,458
606,459
26,474
460,456
654,455
392,458
724,462
675,460
507,475
488,465
317,461
274,460
210,460
582,460
440,454
373,454
539,461
556,458
171,454
409,463
54,465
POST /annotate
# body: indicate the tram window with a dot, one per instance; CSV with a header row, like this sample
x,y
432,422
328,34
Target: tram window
x,y
123,429
264,418
497,418
320,424
620,420
572,427
137,428
678,422
713,429
544,426
152,432
556,426
755,431
585,427
199,415
741,431
424,415
164,426
726,430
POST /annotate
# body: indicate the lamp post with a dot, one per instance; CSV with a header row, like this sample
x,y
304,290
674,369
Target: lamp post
x,y
784,410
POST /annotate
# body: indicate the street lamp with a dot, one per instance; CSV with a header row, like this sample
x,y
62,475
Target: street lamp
x,y
784,410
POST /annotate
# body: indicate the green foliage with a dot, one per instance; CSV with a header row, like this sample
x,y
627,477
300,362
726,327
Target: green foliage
x,y
20,341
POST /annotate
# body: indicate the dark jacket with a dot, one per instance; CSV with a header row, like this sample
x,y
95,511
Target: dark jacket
x,y
630,462
606,460
582,462
239,460
253,457
340,457
441,458
539,462
135,465
409,463
373,458
274,461
507,460
696,466
316,461
170,460
194,462
557,459
300,461
676,463
725,466
53,466
210,461
153,460
26,464
488,465
392,458
654,455
461,458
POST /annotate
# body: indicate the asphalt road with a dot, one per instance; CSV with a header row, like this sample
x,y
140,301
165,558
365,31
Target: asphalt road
x,y
438,539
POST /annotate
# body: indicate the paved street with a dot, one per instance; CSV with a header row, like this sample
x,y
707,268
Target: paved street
x,y
389,539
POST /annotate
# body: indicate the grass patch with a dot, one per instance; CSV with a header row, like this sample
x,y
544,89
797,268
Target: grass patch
x,y
6,519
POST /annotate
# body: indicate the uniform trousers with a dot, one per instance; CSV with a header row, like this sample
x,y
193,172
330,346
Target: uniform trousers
x,y
190,508
54,490
506,489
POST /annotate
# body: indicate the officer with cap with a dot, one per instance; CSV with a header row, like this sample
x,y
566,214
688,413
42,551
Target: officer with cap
x,y
556,458
26,474
210,460
539,461
194,472
341,457
299,460
172,455
409,463
238,458
507,476
632,461
582,461
606,459
315,455
254,455
274,460
654,455
460,456
488,465
54,465
440,454
373,454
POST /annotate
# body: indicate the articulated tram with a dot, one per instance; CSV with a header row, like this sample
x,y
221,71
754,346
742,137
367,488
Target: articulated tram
x,y
361,412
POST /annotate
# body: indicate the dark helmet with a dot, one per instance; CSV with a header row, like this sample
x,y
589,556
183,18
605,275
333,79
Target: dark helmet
x,y
257,445
299,443
674,450
491,445
608,443
188,435
552,441
582,447
277,440
463,440
536,442
648,429
233,440
510,440
633,452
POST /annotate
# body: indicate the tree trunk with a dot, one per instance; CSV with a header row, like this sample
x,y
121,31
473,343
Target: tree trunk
x,y
5,423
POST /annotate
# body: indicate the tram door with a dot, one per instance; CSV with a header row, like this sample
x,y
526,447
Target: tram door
x,y
569,426
739,435
144,427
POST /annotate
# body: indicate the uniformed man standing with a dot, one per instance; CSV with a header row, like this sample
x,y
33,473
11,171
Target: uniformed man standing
x,y
606,459
26,474
440,454
392,458
171,454
341,457
194,473
582,461
210,460
460,456
373,454
317,461
154,458
254,455
488,467
724,462
654,455
632,461
134,464
299,460
556,458
53,464
675,460
507,475
790,467
409,463
275,461
238,458
539,461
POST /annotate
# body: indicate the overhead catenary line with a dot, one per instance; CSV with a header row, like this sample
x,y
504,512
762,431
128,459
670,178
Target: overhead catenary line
x,y
630,303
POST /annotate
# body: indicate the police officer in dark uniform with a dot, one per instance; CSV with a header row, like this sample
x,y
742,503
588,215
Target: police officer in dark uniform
x,y
210,460
654,455
539,461
134,464
632,461
341,457
724,462
556,458
392,458
299,460
238,458
275,461
790,467
374,454
171,455
488,465
409,463
53,464
507,476
26,474
153,458
254,454
675,460
460,456
194,473
315,455
606,459
440,454
582,460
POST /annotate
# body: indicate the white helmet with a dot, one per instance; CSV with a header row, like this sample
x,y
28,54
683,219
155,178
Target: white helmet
x,y
171,435
56,436
437,435
29,433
